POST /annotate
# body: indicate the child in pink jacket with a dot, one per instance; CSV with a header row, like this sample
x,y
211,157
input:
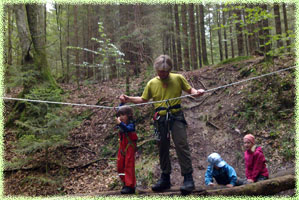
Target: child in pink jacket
x,y
254,161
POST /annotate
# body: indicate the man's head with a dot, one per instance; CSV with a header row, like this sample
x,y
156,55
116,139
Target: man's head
x,y
163,66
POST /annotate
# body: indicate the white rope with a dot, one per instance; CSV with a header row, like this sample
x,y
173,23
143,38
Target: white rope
x,y
150,102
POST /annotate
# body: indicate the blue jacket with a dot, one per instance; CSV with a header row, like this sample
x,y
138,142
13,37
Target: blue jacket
x,y
225,175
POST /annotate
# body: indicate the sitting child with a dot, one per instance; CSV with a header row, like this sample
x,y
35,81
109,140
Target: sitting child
x,y
127,149
254,161
223,173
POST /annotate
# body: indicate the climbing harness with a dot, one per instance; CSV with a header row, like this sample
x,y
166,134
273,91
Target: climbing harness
x,y
130,143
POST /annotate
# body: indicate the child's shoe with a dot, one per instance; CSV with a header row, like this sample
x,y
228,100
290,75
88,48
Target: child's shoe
x,y
127,190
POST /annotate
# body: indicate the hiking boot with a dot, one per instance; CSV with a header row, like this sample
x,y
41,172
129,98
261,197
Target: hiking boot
x,y
162,184
188,184
127,190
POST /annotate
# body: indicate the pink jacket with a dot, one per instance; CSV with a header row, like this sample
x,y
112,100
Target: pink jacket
x,y
255,164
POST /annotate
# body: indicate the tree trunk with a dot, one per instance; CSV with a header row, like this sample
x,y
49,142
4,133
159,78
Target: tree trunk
x,y
178,37
231,36
23,33
251,37
239,33
211,40
38,40
219,32
224,34
203,36
185,37
193,50
278,24
198,36
266,32
246,33
76,30
68,44
58,9
286,27
174,51
9,31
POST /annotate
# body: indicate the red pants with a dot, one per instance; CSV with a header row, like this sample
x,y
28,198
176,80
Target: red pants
x,y
126,159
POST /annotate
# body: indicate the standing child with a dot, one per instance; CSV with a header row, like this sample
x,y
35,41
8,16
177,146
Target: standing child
x,y
254,161
223,173
127,149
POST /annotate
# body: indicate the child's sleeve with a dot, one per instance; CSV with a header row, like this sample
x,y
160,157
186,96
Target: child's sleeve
x,y
232,175
127,128
258,165
209,175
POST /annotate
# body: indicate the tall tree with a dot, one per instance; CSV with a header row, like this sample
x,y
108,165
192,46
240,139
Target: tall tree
x,y
178,37
219,31
58,9
239,33
278,25
76,31
68,44
224,34
231,35
286,26
193,50
211,38
198,36
251,33
203,35
245,32
38,39
185,37
174,51
9,32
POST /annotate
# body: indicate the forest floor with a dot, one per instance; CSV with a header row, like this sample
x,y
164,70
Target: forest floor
x,y
214,125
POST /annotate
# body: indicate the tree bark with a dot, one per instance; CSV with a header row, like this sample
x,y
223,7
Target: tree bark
x,y
219,32
198,36
224,34
9,31
193,50
231,36
76,30
239,33
278,24
211,39
286,27
173,41
67,78
178,37
185,37
203,36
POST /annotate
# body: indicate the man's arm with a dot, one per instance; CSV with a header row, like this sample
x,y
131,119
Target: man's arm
x,y
195,92
129,99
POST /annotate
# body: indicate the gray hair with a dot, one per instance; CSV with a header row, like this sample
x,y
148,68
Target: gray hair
x,y
163,63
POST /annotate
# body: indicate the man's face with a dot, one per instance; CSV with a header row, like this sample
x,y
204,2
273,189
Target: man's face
x,y
163,74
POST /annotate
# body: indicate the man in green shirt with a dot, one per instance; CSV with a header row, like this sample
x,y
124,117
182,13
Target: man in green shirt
x,y
171,119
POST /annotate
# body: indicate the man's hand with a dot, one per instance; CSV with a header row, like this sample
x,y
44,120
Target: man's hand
x,y
123,98
196,93
211,184
229,185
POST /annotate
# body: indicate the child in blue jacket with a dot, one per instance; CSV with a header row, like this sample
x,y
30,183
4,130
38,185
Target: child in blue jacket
x,y
222,172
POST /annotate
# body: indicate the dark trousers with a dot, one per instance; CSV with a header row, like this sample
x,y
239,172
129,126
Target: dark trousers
x,y
179,136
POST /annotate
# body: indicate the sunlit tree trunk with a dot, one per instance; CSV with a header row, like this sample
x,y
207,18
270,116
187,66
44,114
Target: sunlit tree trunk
x,y
224,34
286,27
203,36
185,37
219,32
193,50
178,37
278,24
198,37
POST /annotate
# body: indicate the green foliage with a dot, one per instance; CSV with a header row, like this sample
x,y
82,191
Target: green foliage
x,y
232,60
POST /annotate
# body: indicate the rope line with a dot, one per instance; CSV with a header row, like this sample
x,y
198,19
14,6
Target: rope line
x,y
150,102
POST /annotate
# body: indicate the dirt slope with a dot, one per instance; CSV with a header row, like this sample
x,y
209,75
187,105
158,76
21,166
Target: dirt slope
x,y
211,128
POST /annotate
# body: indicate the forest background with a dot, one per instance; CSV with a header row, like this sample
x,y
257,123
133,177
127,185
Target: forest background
x,y
90,54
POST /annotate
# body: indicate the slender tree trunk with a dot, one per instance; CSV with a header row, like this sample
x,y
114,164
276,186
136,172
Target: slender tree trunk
x,y
45,22
278,24
224,34
185,37
203,35
76,31
251,36
58,9
9,31
178,37
219,32
266,32
231,36
245,34
193,50
198,36
239,33
211,40
286,27
174,51
68,44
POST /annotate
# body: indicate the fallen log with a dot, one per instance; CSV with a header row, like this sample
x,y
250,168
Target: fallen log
x,y
262,188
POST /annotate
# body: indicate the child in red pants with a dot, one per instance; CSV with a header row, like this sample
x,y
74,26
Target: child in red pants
x,y
127,149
